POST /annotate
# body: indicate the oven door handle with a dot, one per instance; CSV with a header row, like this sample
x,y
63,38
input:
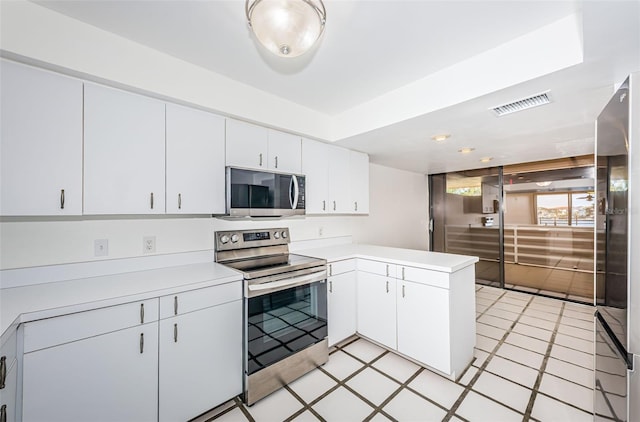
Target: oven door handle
x,y
274,286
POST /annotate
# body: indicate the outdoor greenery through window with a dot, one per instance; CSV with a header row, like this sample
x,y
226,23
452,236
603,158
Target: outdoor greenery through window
x,y
565,209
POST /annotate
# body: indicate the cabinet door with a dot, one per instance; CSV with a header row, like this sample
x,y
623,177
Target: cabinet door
x,y
8,394
315,159
40,143
423,324
111,377
124,154
200,361
377,308
195,161
359,167
341,307
285,152
339,181
246,145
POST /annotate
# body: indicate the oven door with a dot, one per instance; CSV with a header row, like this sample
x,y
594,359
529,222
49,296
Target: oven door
x,y
282,320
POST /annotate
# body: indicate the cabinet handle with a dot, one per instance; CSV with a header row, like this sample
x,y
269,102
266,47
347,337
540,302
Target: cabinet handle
x,y
403,273
175,305
355,206
276,161
324,205
151,200
403,290
387,286
141,342
179,201
330,286
330,270
3,371
175,333
387,270
334,205
260,159
3,413
61,199
142,313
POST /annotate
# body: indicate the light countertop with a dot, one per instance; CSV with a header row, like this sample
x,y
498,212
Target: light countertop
x,y
33,302
435,261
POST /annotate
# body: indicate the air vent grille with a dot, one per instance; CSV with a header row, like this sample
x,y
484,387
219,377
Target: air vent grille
x,y
523,104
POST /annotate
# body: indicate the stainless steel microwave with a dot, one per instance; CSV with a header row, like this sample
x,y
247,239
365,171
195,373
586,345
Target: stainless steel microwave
x,y
264,194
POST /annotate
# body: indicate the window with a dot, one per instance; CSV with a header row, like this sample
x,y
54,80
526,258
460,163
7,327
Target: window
x,y
565,209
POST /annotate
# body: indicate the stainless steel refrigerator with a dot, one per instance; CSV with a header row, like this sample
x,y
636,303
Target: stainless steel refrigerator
x,y
617,332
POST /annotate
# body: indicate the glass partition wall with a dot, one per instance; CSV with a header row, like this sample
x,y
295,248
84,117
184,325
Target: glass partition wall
x,y
532,230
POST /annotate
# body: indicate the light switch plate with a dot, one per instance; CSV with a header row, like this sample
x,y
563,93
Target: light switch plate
x,y
101,247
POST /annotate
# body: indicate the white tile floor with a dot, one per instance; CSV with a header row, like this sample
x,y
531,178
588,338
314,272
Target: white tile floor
x,y
533,362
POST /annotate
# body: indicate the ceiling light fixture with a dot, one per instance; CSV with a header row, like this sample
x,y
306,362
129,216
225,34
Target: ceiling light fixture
x,y
466,150
523,104
287,28
543,184
441,137
486,159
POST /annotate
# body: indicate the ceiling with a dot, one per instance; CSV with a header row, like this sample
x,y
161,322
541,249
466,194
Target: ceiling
x,y
372,51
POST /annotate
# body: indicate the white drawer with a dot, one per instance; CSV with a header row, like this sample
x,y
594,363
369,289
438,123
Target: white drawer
x,y
67,328
377,267
193,300
9,349
422,276
340,267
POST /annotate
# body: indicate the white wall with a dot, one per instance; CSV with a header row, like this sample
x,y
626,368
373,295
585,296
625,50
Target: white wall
x,y
398,209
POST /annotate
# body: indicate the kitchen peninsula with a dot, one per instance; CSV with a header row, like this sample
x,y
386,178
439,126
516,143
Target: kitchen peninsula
x,y
419,304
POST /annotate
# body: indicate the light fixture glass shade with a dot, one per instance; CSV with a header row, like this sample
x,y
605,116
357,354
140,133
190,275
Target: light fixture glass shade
x,y
287,28
543,184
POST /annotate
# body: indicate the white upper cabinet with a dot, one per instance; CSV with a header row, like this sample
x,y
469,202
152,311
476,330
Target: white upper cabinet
x,y
339,181
195,161
315,159
359,167
284,152
246,145
256,147
41,142
124,152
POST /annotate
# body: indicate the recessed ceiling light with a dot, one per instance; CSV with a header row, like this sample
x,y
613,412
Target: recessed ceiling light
x,y
466,150
486,159
441,137
523,104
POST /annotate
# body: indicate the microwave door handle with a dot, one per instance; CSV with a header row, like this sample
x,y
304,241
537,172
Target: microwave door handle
x,y
296,192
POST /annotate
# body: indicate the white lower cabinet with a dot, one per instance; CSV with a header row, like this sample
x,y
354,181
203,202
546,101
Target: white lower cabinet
x,y
8,393
423,324
341,306
109,377
377,308
200,361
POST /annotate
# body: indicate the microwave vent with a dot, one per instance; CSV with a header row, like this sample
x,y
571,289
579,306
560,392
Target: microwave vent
x,y
523,104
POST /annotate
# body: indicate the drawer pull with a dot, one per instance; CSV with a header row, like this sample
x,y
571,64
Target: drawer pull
x,y
260,159
3,413
387,286
151,200
179,201
276,161
141,342
142,313
403,290
324,205
175,333
330,270
175,305
3,371
387,270
403,273
355,206
61,199
330,286
334,205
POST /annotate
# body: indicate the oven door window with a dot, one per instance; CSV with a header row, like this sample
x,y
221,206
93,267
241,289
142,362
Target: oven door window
x,y
281,323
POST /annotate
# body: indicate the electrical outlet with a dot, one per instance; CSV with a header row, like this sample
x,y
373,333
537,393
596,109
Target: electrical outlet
x,y
149,244
101,247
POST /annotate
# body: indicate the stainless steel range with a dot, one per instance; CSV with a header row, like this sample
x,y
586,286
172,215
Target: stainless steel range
x,y
285,308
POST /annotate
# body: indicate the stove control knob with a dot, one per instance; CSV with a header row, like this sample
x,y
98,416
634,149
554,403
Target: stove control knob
x,y
284,234
234,238
276,235
224,239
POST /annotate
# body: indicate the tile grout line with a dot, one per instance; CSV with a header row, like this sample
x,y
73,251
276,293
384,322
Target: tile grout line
x,y
484,365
